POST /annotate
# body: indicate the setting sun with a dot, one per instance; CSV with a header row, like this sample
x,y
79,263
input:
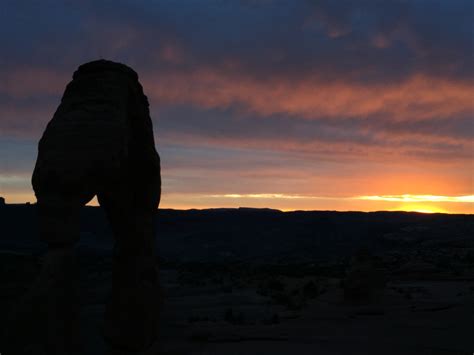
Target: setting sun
x,y
420,208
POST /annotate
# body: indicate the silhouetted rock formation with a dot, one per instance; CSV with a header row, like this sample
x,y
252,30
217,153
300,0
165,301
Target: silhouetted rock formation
x,y
2,201
100,142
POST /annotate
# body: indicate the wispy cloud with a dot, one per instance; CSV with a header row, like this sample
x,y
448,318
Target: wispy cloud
x,y
415,98
388,198
418,198
269,196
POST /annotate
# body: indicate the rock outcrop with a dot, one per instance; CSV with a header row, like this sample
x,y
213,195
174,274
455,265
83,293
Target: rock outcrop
x,y
100,143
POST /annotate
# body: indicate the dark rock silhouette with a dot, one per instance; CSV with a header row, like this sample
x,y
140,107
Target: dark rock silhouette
x,y
2,201
99,143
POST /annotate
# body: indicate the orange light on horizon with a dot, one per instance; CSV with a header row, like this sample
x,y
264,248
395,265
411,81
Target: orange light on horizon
x,y
404,202
418,198
420,208
269,196
392,198
291,202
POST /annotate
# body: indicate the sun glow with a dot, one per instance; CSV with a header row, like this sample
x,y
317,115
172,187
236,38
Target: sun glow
x,y
267,196
402,202
418,198
407,198
419,208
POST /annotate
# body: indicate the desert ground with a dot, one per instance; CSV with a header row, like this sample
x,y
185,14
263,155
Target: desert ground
x,y
410,293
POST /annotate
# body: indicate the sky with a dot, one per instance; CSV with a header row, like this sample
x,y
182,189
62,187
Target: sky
x,y
294,105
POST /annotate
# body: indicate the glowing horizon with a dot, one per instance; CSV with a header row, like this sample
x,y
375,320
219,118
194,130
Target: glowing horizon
x,y
418,198
401,198
410,203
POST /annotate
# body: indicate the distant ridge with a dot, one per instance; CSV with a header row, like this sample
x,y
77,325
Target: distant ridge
x,y
266,209
258,234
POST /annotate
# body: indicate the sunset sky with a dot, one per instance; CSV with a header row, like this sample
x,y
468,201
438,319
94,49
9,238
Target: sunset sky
x,y
296,104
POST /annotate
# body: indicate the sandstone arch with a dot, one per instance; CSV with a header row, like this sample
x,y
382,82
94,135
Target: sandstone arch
x,y
99,143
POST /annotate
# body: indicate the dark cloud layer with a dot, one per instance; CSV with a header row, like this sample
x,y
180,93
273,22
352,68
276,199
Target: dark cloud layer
x,y
364,40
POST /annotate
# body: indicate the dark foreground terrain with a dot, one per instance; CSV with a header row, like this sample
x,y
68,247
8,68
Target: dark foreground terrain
x,y
252,281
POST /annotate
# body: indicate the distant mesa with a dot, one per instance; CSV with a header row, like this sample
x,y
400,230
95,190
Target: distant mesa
x,y
2,201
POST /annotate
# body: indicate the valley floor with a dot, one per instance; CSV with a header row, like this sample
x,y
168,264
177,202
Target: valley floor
x,y
267,313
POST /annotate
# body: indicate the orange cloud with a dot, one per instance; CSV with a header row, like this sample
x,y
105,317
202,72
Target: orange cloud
x,y
416,98
398,147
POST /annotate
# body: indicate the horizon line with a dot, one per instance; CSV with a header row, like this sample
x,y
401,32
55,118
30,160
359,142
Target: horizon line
x,y
272,209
